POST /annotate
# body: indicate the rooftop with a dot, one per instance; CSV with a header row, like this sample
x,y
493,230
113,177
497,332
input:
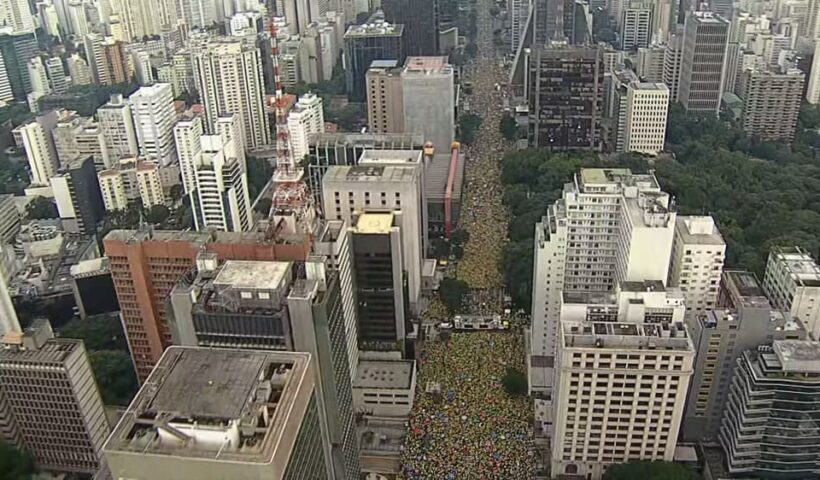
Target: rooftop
x,y
801,266
384,63
698,230
370,173
379,28
622,177
388,374
584,334
241,274
55,350
427,65
798,355
374,223
745,288
390,156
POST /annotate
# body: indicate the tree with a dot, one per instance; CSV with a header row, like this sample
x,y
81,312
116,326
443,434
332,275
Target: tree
x,y
471,49
452,293
41,208
98,332
468,124
260,171
459,236
508,127
157,214
15,464
441,247
646,470
177,192
263,206
494,11
115,376
514,382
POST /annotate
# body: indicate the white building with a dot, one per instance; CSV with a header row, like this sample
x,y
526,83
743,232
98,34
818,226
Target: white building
x,y
792,283
47,14
697,262
56,75
305,118
17,14
153,110
78,70
813,91
622,371
636,26
142,67
228,76
129,179
117,125
77,20
384,388
38,76
428,100
645,120
6,94
187,136
35,137
79,137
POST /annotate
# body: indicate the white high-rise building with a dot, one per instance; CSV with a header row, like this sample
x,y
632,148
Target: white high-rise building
x,y
623,366
645,118
228,76
142,67
153,110
198,13
78,70
813,91
187,135
38,76
129,179
77,20
6,94
17,14
56,75
117,124
305,118
519,11
35,137
792,283
636,26
697,262
95,55
47,14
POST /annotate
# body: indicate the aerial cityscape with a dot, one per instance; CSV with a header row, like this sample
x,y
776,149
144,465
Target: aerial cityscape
x,y
409,239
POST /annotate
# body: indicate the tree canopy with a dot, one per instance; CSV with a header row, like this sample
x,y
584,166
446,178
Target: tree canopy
x,y
508,127
452,293
41,208
514,382
646,470
468,124
15,464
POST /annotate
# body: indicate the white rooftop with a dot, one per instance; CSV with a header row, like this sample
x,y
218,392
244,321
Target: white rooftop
x,y
252,275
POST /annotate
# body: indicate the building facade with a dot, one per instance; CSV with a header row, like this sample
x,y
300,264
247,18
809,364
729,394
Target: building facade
x,y
117,125
152,108
77,194
306,117
792,283
771,103
698,253
705,38
375,40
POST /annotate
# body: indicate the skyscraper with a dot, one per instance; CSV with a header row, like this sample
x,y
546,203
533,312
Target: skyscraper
x,y
704,51
77,194
771,103
17,14
17,49
36,138
228,75
385,105
698,253
428,100
56,75
117,125
672,63
792,283
636,26
645,118
78,70
306,117
420,20
375,40
153,110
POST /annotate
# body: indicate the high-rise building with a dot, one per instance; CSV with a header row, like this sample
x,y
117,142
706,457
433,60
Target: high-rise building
x,y
768,430
9,219
385,103
374,40
813,90
245,413
519,12
188,139
129,179
644,126
698,253
56,75
146,265
80,137
47,15
672,63
792,283
565,86
198,13
153,110
95,55
9,323
623,366
17,15
49,402
636,26
6,94
771,103
306,117
117,125
228,76
77,194
77,21
78,70
17,49
704,51
420,20
650,63
116,62
38,77
745,320
36,139
428,100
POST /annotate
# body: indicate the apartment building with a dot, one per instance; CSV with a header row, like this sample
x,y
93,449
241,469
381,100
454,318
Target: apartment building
x,y
153,110
117,125
77,194
698,253
385,107
306,117
792,283
36,139
128,180
80,137
771,103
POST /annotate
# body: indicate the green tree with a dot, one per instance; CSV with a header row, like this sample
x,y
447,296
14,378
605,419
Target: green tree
x,y
494,11
459,236
41,208
263,206
646,470
15,464
441,247
98,332
260,171
115,376
471,49
157,214
508,127
514,382
452,293
468,124
177,192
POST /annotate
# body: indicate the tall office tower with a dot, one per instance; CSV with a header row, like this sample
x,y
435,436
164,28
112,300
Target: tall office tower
x,y
56,75
47,15
142,67
385,103
622,370
732,68
95,54
813,90
17,15
380,279
117,125
771,103
420,20
17,49
664,19
6,95
615,103
129,179
792,283
300,14
672,61
303,315
145,265
384,181
704,51
650,63
249,414
744,320
547,22
645,118
36,138
220,199
636,26
428,99
79,137
153,110
78,70
77,192
188,138
565,97
39,81
77,21
519,12
374,40
228,76
698,253
306,117
198,13
50,403
593,238
768,430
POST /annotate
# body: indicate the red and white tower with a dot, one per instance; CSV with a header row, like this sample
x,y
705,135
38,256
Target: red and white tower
x,y
292,210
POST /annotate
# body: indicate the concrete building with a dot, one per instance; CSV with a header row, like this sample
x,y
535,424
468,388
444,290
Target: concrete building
x,y
145,266
6,94
50,402
9,219
78,70
131,179
704,51
721,336
385,102
623,366
385,388
374,40
117,125
228,74
792,283
306,117
636,26
56,75
249,414
768,430
17,49
428,100
77,194
813,90
698,253
38,77
771,103
93,288
644,126
36,139
672,61
566,88
77,137
384,181
188,139
420,20
17,15
152,108
650,63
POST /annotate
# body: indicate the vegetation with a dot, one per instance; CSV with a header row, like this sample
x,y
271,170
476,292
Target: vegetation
x,y
41,208
494,11
452,293
16,113
468,124
509,127
444,248
13,176
646,470
15,464
86,99
515,383
157,214
260,171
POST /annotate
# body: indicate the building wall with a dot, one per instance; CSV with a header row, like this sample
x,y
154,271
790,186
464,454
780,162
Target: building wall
x,y
645,129
704,51
429,105
771,104
697,265
385,110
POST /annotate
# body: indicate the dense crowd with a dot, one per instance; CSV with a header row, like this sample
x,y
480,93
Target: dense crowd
x,y
472,429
